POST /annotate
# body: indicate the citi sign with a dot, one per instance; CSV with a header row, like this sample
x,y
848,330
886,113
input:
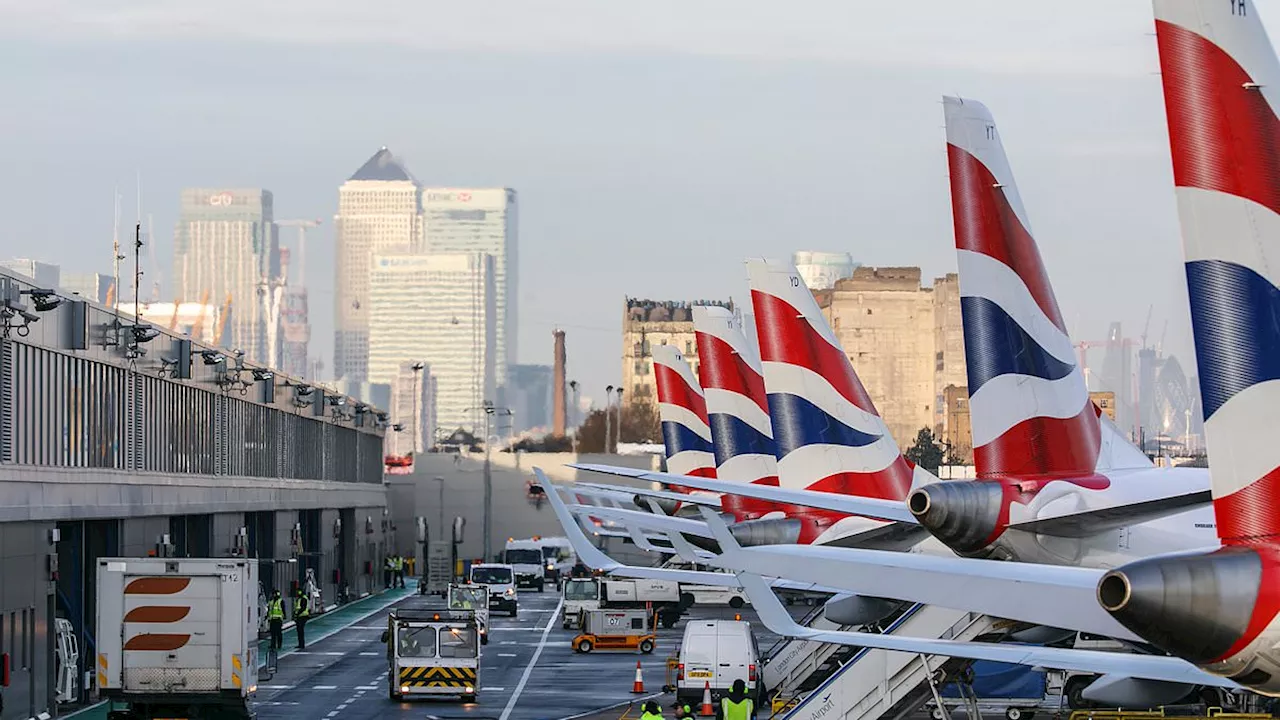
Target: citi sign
x,y
222,199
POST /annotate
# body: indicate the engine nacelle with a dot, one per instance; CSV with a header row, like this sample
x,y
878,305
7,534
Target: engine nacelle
x,y
1118,691
1199,607
963,514
669,507
857,610
750,533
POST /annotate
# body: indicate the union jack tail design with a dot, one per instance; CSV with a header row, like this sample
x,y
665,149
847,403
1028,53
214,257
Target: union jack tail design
x,y
737,408
1030,409
829,436
1222,87
683,412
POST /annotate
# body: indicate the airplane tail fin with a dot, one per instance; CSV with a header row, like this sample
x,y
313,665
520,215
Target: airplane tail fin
x,y
1030,409
829,436
1222,89
682,408
737,407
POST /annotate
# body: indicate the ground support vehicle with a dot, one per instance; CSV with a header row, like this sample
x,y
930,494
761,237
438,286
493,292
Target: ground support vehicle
x,y
715,653
177,637
580,595
501,581
476,599
438,570
432,653
666,598
616,630
525,558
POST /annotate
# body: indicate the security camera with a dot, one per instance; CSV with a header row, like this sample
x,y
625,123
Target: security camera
x,y
304,390
30,317
261,374
144,333
336,400
44,299
212,357
361,408
398,427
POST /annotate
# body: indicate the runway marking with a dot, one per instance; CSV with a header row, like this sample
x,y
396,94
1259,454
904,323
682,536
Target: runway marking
x,y
366,687
546,631
367,627
325,687
507,654
369,654
310,652
276,687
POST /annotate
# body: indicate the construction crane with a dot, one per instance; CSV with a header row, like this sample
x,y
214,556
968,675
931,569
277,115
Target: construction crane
x,y
198,328
1147,325
173,321
222,321
302,226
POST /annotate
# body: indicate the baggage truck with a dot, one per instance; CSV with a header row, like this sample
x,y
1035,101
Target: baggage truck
x,y
177,638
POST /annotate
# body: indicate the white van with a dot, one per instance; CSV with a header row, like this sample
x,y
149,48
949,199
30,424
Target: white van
x,y
501,580
718,652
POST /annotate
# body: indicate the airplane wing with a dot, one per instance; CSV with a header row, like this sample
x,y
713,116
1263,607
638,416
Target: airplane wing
x,y
593,557
1092,522
1051,595
1148,667
621,493
890,510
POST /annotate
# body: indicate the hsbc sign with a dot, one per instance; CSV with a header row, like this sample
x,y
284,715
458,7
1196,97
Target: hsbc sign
x,y
448,196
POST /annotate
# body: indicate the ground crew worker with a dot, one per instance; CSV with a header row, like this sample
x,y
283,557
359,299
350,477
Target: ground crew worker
x,y
684,711
651,711
301,613
399,567
275,620
388,572
736,705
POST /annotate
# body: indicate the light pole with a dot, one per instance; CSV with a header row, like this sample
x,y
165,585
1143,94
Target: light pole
x,y
618,440
417,428
489,412
608,409
441,481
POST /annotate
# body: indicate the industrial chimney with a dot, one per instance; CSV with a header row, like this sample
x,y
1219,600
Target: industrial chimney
x,y
558,385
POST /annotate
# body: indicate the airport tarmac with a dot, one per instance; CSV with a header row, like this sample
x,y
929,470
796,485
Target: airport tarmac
x,y
528,671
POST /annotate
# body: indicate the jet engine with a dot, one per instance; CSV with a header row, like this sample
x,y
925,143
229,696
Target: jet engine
x,y
750,533
1199,607
857,611
964,515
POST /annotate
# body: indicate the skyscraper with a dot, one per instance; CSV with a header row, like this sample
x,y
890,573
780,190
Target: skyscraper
x,y
481,220
225,248
379,212
44,274
438,309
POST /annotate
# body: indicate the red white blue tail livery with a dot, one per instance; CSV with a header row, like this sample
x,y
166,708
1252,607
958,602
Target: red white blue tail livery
x,y
683,412
1221,80
737,408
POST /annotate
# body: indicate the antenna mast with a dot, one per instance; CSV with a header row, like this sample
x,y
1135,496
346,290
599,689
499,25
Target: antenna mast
x,y
151,258
116,257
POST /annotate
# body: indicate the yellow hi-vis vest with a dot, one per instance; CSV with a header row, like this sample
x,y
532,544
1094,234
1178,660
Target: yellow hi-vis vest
x,y
736,710
650,716
275,609
398,563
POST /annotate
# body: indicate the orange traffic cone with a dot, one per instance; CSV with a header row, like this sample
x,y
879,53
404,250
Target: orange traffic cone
x,y
638,687
706,701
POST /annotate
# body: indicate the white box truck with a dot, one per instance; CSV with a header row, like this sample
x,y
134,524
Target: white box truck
x,y
178,638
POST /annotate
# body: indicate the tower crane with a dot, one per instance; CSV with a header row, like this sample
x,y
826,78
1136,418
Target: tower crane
x,y
302,226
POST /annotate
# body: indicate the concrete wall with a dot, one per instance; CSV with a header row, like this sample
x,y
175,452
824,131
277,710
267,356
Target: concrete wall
x,y
514,515
26,598
893,331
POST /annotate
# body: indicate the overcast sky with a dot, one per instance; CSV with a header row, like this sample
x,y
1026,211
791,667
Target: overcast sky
x,y
654,145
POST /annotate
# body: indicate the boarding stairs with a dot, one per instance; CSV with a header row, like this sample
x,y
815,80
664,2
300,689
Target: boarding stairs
x,y
872,684
794,666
